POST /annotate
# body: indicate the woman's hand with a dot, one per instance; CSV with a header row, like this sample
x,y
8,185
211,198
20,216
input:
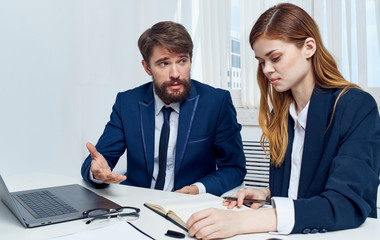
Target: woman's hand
x,y
217,223
213,223
260,194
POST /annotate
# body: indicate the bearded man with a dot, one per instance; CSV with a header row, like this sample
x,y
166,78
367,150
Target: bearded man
x,y
180,135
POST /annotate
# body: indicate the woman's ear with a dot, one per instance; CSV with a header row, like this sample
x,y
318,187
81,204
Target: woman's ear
x,y
310,46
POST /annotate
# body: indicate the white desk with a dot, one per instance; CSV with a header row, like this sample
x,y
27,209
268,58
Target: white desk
x,y
150,222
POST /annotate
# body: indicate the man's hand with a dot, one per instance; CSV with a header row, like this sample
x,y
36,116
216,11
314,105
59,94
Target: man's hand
x,y
100,168
189,190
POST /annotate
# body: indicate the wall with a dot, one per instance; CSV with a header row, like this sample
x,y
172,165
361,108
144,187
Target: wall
x,y
61,65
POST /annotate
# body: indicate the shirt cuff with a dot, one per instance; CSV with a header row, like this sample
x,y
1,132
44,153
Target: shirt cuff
x,y
91,177
201,187
285,214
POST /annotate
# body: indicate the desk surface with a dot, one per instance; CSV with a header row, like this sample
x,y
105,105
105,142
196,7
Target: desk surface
x,y
150,222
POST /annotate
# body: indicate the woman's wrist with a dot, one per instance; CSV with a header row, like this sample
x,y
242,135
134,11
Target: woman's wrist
x,y
257,221
266,192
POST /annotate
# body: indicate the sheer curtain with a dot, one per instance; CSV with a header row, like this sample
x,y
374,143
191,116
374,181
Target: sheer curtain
x,y
250,93
214,24
343,28
377,12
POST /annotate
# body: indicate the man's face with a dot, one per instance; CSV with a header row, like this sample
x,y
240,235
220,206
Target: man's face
x,y
170,73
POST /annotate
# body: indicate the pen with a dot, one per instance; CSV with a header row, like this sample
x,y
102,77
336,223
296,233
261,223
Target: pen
x,y
249,201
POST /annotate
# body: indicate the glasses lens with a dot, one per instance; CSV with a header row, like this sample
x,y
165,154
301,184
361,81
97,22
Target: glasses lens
x,y
97,212
128,214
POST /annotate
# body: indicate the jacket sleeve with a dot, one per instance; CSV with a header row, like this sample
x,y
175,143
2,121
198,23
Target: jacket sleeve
x,y
350,192
228,148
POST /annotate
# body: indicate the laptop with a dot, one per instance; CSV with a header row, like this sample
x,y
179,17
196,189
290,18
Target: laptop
x,y
44,206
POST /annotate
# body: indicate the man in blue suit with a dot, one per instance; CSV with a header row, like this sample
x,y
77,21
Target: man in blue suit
x,y
204,151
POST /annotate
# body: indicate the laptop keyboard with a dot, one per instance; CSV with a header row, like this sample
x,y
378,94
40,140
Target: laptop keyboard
x,y
44,204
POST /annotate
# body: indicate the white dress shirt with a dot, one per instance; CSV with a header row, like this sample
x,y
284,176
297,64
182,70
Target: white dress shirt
x,y
173,122
285,206
170,164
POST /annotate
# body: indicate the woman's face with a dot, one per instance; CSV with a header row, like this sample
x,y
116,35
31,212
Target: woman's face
x,y
285,65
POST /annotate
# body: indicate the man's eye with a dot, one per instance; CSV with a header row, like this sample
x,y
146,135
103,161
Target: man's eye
x,y
163,64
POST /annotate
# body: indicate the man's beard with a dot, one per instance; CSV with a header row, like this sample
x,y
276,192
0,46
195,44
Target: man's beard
x,y
174,95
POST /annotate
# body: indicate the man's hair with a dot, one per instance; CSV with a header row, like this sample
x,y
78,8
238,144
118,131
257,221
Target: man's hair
x,y
170,35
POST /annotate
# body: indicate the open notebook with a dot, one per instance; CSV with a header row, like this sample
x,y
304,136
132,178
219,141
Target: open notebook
x,y
179,209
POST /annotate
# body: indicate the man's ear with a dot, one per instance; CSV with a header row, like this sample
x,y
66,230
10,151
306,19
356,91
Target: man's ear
x,y
146,67
310,47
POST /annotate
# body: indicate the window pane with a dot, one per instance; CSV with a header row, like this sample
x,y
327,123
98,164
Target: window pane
x,y
234,71
235,61
235,48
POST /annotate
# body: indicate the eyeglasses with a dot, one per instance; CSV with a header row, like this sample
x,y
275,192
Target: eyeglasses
x,y
126,213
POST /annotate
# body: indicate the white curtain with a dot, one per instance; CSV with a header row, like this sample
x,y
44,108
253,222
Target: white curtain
x,y
377,12
250,93
214,23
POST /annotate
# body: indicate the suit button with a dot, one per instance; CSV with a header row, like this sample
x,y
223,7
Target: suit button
x,y
323,230
314,230
306,231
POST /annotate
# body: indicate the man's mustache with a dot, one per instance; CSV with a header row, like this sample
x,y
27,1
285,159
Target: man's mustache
x,y
175,82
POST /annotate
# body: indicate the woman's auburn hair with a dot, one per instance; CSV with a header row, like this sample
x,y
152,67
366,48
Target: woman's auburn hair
x,y
291,24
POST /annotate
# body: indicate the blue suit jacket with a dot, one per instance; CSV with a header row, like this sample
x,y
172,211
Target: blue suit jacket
x,y
340,166
208,150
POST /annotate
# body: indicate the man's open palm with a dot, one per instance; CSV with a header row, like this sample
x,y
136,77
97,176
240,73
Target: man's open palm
x,y
100,168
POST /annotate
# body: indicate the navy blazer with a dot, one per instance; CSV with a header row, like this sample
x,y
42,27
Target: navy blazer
x,y
208,150
340,164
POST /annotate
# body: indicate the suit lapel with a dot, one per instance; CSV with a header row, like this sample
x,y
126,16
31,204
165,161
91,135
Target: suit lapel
x,y
147,121
318,118
185,121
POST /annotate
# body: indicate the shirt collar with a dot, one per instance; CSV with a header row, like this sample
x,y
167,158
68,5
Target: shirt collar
x,y
302,116
159,104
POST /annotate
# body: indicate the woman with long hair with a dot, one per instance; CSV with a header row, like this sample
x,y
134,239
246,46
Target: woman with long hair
x,y
323,134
